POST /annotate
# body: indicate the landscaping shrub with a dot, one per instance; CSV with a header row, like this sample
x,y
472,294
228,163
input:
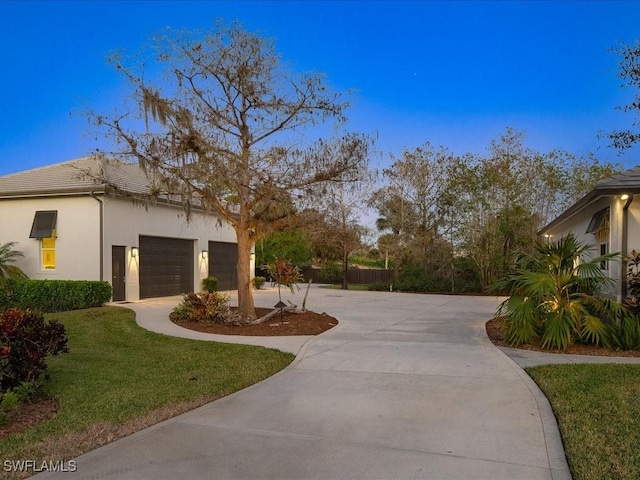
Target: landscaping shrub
x,y
5,299
206,307
331,272
418,279
258,282
633,283
210,284
25,341
55,295
552,298
626,334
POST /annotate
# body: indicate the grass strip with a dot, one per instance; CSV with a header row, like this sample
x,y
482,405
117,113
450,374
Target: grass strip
x,y
119,378
352,286
598,411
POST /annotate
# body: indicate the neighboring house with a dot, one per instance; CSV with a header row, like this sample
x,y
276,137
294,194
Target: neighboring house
x,y
608,217
83,220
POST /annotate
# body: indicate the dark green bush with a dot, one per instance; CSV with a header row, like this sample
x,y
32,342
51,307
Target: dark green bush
x,y
418,279
55,295
331,272
26,339
258,282
625,335
5,299
210,284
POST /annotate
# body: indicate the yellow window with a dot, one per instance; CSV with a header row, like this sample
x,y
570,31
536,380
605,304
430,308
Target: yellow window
x,y
49,253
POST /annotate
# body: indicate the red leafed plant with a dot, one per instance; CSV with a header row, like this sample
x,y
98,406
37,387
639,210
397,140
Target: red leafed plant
x,y
26,339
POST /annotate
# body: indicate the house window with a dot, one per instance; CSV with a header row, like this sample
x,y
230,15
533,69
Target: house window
x,y
600,228
44,229
604,249
48,249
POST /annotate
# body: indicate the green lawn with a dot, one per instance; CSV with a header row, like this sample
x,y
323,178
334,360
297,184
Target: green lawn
x,y
598,411
119,378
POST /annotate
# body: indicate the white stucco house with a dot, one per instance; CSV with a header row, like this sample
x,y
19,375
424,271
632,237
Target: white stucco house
x,y
608,217
79,220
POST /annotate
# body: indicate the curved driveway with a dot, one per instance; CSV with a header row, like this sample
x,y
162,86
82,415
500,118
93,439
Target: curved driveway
x,y
408,386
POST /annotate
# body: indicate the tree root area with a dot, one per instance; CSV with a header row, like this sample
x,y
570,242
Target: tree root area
x,y
301,323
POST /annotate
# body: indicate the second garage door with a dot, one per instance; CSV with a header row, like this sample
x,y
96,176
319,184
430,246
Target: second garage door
x,y
223,258
166,266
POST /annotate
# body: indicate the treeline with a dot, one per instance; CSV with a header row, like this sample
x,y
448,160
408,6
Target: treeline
x,y
443,222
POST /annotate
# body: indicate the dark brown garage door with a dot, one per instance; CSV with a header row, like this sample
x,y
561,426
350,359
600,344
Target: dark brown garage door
x,y
166,266
223,258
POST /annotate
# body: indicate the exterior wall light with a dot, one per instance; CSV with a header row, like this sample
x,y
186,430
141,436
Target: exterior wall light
x,y
205,254
134,251
624,196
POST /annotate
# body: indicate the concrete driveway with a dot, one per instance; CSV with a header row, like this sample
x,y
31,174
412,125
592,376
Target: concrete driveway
x,y
408,386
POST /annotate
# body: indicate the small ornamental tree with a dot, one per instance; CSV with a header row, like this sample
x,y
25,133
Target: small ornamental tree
x,y
283,272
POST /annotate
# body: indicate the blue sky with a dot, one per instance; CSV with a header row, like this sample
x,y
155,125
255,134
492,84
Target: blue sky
x,y
452,73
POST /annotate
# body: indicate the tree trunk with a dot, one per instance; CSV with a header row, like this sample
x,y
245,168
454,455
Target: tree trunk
x,y
274,313
245,298
345,269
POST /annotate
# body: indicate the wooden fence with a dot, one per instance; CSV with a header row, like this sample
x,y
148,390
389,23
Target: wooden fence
x,y
354,275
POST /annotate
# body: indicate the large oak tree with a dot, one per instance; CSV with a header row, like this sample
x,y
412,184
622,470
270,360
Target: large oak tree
x,y
222,127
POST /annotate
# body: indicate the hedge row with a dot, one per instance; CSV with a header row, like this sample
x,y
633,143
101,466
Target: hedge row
x,y
54,295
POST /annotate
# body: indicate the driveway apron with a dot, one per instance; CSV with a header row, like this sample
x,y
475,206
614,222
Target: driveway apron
x,y
408,386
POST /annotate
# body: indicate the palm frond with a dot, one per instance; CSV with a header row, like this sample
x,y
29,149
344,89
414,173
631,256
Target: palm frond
x,y
521,319
8,256
594,330
557,330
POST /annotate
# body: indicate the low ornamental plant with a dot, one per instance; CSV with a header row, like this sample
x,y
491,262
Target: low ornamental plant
x,y
206,307
258,282
26,340
210,284
633,282
625,333
554,297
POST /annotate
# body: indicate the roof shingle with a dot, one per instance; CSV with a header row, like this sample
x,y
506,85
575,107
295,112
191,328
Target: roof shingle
x,y
83,175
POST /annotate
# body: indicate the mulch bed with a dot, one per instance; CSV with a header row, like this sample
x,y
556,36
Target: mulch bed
x,y
495,333
303,323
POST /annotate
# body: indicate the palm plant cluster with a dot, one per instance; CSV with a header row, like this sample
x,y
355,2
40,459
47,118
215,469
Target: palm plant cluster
x,y
555,295
8,256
